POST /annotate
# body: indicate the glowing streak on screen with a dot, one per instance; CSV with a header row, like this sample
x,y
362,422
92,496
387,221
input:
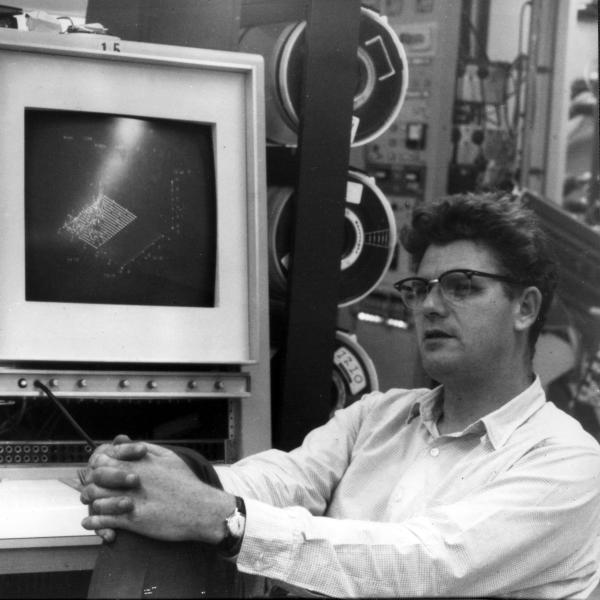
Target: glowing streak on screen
x,y
127,135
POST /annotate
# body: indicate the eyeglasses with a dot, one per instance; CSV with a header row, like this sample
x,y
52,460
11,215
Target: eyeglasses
x,y
456,285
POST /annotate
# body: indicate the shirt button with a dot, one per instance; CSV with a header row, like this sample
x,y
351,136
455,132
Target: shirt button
x,y
434,451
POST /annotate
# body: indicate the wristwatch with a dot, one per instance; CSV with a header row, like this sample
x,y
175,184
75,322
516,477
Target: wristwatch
x,y
235,524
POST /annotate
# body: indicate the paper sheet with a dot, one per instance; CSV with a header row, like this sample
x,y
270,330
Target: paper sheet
x,y
40,508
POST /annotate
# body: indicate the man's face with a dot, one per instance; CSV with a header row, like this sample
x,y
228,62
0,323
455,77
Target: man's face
x,y
471,335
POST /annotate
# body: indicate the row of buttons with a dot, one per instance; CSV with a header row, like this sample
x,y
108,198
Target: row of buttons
x,y
123,384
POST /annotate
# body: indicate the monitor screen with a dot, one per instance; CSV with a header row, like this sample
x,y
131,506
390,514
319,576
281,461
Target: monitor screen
x,y
119,210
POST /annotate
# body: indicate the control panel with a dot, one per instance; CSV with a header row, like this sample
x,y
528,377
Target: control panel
x,y
199,410
125,385
409,161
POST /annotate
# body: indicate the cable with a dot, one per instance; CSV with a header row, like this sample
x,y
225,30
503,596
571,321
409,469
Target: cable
x,y
12,422
519,64
477,37
49,425
65,412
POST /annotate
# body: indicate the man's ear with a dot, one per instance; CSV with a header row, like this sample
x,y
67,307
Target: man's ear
x,y
527,308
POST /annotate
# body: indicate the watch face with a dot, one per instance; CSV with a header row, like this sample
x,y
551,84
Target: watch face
x,y
236,524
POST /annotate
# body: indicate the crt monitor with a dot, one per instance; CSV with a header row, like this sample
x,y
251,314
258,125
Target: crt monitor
x,y
130,201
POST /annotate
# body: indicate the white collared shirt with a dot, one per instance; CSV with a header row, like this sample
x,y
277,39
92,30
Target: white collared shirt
x,y
377,503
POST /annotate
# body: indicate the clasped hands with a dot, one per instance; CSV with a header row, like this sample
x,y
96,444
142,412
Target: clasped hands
x,y
150,490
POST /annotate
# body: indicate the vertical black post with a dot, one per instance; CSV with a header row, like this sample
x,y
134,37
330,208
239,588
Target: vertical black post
x,y
324,147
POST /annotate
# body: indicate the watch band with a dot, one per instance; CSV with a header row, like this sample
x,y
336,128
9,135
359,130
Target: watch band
x,y
230,545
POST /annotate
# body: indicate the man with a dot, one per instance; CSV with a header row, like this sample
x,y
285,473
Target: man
x,y
478,487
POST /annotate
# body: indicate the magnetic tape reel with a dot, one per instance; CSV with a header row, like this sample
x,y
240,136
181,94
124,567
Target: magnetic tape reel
x,y
382,71
353,373
369,238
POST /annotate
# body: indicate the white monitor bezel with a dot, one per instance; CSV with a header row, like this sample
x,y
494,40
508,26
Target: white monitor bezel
x,y
224,89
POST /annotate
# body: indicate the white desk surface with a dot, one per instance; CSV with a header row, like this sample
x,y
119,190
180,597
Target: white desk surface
x,y
40,508
40,527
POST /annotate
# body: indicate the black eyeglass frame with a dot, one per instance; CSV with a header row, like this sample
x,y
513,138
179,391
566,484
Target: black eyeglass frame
x,y
429,283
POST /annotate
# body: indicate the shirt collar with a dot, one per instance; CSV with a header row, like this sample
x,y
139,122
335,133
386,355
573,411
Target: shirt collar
x,y
503,422
429,407
499,424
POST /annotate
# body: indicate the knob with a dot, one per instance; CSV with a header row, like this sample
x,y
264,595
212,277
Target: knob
x,y
152,384
22,383
192,384
53,382
124,383
82,383
219,385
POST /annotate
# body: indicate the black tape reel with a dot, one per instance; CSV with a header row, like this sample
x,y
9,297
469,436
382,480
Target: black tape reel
x,y
382,70
369,238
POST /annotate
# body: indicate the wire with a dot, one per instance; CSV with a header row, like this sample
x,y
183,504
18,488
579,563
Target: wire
x,y
49,425
477,37
519,63
66,18
13,422
65,412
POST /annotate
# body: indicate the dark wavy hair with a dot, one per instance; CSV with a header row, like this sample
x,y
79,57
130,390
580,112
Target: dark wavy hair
x,y
509,230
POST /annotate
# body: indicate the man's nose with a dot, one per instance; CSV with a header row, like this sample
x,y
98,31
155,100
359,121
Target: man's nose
x,y
433,301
